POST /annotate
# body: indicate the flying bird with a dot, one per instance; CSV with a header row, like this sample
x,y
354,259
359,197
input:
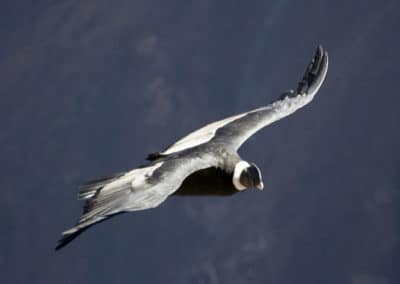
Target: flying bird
x,y
205,162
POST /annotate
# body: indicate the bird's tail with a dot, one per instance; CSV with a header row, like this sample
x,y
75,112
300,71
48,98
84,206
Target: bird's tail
x,y
98,207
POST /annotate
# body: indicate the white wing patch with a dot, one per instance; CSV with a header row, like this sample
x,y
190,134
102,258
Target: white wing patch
x,y
135,179
200,136
278,110
287,106
139,176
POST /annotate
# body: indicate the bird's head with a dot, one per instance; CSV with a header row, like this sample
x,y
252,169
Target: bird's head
x,y
246,176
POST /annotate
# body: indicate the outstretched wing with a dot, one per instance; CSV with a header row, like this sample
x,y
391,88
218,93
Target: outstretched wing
x,y
237,129
139,189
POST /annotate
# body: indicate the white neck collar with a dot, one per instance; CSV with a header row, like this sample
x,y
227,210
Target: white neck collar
x,y
239,167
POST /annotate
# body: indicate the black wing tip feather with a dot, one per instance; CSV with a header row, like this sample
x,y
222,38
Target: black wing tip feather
x,y
313,76
315,72
67,238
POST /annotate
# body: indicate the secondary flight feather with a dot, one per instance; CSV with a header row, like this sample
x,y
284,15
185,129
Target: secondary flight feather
x,y
205,162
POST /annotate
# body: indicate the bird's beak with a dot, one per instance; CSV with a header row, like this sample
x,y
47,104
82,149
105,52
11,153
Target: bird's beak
x,y
260,186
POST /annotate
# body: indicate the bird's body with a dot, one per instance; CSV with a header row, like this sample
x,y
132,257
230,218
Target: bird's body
x,y
205,162
210,181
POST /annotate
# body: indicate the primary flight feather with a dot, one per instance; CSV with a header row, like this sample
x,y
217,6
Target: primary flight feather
x,y
205,162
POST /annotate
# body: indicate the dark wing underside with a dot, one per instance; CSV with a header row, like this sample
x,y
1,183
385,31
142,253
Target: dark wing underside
x,y
210,181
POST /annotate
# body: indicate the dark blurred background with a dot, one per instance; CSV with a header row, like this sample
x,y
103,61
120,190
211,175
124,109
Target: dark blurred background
x,y
90,87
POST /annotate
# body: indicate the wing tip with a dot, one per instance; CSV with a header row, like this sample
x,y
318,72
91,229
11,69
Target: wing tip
x,y
67,237
315,73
